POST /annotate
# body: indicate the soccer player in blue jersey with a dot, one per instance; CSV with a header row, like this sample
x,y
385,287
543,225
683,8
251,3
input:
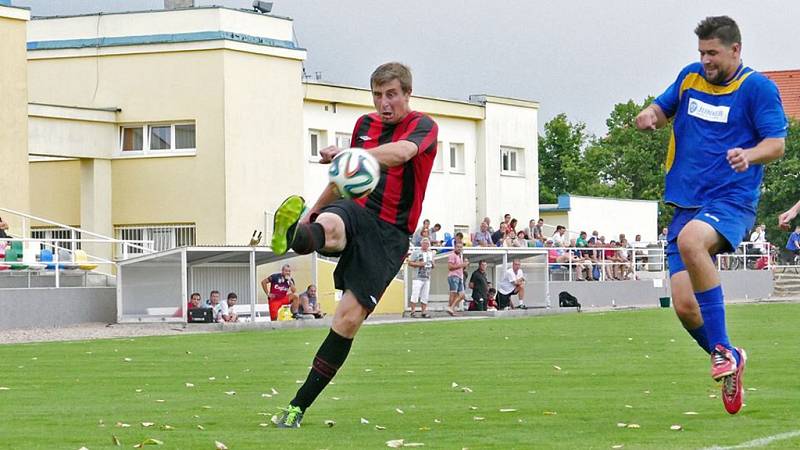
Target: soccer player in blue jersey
x,y
728,122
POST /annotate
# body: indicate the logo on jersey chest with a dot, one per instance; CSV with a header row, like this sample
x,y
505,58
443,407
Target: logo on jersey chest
x,y
710,113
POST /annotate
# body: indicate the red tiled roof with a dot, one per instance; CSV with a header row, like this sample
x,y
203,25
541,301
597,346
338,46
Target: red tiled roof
x,y
788,82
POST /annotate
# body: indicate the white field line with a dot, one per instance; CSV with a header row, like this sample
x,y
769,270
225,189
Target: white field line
x,y
760,442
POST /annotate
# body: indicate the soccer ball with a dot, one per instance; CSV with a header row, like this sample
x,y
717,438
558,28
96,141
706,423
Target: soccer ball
x,y
355,173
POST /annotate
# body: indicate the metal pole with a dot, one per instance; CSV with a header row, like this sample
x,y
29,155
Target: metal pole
x,y
184,286
253,290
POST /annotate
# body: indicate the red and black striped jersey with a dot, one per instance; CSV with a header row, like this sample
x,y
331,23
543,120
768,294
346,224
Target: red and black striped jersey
x,y
398,197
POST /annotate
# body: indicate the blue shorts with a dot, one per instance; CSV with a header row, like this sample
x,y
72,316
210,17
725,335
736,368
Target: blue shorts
x,y
730,219
456,284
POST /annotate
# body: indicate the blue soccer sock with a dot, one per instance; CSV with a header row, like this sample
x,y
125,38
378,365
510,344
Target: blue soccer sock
x,y
712,308
699,335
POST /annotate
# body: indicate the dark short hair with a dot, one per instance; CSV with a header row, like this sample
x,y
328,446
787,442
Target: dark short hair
x,y
719,27
460,234
232,295
214,292
392,71
492,290
194,293
560,227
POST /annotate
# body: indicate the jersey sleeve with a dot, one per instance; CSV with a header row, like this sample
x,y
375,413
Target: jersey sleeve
x,y
354,140
423,132
273,278
767,111
669,99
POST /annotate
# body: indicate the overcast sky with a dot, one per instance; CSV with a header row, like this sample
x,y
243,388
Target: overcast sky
x,y
578,57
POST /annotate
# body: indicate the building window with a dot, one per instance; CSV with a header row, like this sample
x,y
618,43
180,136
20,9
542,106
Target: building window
x,y
438,162
154,237
132,139
456,158
317,140
511,161
342,140
157,139
54,236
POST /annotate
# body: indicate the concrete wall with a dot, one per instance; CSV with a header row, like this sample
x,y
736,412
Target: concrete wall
x,y
737,285
25,308
56,191
14,183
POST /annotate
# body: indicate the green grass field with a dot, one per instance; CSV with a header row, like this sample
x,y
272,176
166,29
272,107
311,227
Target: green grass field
x,y
634,367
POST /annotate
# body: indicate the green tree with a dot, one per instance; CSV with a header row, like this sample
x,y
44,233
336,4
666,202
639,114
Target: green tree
x,y
630,163
561,166
781,187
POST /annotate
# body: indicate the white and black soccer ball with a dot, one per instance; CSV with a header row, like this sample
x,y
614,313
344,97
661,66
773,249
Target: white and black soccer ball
x,y
355,173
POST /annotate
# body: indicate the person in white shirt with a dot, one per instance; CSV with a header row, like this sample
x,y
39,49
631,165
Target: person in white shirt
x,y
513,282
560,236
759,239
422,260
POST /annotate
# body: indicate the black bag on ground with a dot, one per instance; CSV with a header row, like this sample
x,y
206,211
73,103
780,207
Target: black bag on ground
x,y
567,300
200,315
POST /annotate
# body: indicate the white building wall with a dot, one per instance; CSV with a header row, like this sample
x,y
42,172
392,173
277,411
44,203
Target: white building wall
x,y
610,217
512,126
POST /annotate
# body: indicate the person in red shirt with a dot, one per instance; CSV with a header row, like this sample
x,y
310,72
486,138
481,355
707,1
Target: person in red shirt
x,y
370,235
280,291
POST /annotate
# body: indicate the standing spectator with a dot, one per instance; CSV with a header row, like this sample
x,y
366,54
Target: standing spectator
x,y
434,235
280,291
309,303
507,219
422,260
480,288
500,234
560,237
759,239
663,235
513,282
483,238
456,263
226,313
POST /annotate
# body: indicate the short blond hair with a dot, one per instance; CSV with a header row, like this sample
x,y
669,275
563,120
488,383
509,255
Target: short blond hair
x,y
392,71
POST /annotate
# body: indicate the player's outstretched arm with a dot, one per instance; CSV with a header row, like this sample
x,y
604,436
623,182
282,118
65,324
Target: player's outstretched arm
x,y
766,151
786,218
394,153
651,118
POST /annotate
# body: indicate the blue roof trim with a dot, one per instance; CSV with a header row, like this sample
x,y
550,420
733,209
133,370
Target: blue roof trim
x,y
161,39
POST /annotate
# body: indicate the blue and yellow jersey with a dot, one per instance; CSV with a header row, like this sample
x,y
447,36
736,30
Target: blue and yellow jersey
x,y
709,120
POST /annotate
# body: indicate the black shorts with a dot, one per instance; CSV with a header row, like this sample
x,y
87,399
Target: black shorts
x,y
373,255
503,300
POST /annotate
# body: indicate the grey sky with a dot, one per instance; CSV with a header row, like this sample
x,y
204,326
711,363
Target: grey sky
x,y
577,57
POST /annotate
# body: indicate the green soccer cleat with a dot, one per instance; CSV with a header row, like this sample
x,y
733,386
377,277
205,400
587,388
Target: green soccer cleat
x,y
283,229
291,418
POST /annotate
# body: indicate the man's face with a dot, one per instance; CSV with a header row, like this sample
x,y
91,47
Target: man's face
x,y
437,227
215,298
507,218
719,61
390,101
503,227
487,221
484,227
482,266
312,291
195,299
458,247
562,231
425,245
516,265
286,272
232,301
426,223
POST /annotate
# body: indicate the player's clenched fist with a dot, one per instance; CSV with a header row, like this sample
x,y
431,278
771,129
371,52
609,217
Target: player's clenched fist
x,y
327,153
647,119
737,158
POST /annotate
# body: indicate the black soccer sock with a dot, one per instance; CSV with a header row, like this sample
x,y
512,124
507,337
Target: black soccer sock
x,y
329,359
309,238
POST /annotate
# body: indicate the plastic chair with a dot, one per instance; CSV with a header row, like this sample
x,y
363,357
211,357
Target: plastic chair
x,y
82,261
17,246
46,256
65,260
3,245
12,257
29,257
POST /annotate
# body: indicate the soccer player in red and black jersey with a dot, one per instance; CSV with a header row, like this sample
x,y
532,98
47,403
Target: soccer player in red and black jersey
x,y
370,235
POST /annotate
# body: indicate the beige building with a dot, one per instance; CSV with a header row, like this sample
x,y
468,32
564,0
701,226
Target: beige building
x,y
190,126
